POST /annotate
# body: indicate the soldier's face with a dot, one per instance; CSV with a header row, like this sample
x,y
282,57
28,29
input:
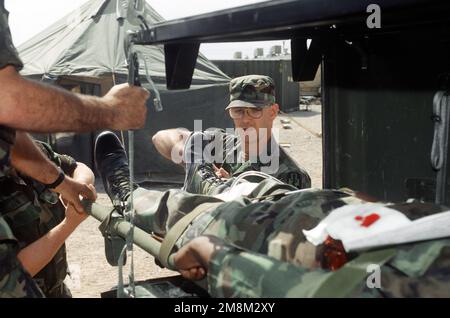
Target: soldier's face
x,y
248,126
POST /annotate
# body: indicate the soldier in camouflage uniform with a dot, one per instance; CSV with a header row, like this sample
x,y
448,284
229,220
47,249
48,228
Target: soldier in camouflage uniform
x,y
285,264
122,108
253,245
410,270
253,109
32,211
14,280
20,229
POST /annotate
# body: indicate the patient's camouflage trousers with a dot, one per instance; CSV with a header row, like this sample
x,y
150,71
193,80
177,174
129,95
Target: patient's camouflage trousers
x,y
266,221
270,257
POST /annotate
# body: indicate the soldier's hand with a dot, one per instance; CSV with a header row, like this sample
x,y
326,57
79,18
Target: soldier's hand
x,y
129,104
192,259
189,263
221,172
73,217
71,191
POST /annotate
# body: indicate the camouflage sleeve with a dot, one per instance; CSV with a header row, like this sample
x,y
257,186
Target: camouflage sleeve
x,y
8,53
418,270
223,143
236,273
14,280
298,178
67,163
291,173
229,145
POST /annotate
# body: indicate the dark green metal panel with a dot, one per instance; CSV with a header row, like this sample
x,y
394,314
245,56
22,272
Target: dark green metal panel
x,y
290,90
377,111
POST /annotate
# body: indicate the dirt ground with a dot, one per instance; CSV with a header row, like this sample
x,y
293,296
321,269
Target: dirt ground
x,y
92,275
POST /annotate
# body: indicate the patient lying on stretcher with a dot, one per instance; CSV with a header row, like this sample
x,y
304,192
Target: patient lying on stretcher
x,y
276,241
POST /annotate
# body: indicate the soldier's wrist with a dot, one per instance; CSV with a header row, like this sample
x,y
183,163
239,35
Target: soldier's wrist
x,y
70,224
58,181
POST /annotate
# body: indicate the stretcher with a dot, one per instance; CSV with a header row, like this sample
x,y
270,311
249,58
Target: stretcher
x,y
173,287
372,229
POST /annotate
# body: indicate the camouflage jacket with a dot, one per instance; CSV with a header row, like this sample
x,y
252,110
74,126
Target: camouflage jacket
x,y
7,137
8,53
269,222
15,282
8,56
274,160
268,255
416,270
31,210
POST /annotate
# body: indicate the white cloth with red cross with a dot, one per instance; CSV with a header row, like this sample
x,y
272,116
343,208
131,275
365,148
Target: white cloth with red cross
x,y
370,225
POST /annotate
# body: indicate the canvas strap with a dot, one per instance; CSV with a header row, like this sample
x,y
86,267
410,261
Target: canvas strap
x,y
178,229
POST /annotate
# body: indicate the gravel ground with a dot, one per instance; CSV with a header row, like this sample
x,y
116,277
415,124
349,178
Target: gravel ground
x,y
303,143
92,275
90,272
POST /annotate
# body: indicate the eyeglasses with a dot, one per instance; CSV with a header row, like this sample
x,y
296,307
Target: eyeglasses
x,y
238,112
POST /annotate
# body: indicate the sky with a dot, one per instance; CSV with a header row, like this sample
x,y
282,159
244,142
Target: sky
x,y
28,17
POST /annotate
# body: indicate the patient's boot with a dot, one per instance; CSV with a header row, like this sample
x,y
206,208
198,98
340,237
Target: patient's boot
x,y
192,158
112,164
200,176
201,179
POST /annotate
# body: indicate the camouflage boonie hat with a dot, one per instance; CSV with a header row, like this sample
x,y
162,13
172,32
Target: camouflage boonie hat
x,y
252,91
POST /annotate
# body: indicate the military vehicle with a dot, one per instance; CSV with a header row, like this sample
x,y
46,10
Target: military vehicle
x,y
385,82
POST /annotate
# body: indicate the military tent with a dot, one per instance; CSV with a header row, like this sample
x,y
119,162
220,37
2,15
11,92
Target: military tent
x,y
85,52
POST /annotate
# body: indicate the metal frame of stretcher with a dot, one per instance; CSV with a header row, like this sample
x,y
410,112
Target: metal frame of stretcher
x,y
173,286
121,227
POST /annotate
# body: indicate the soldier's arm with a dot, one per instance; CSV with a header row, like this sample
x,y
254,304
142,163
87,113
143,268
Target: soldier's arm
x,y
83,174
37,107
192,259
210,256
170,143
257,276
29,159
38,254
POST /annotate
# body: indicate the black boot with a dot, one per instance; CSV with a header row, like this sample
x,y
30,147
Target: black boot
x,y
200,175
193,158
112,164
